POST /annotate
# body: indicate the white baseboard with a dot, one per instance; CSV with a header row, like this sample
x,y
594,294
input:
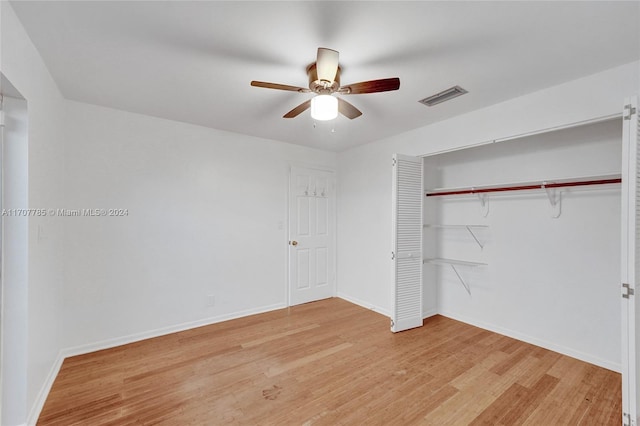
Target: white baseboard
x,y
364,304
37,406
119,341
617,367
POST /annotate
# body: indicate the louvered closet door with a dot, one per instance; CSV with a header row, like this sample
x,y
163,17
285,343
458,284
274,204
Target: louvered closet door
x,y
407,243
630,254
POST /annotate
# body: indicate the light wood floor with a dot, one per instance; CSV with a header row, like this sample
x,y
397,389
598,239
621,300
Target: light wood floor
x,y
331,363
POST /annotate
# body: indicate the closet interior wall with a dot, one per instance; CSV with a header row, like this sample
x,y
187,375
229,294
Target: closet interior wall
x,y
553,282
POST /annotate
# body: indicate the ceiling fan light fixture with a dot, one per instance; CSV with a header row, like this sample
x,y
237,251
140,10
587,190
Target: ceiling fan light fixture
x,y
327,64
324,81
324,107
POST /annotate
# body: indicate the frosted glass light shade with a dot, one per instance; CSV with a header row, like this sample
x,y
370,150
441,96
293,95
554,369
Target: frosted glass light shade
x,y
324,107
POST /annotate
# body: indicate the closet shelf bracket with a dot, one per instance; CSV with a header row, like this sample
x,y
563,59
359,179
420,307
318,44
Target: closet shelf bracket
x,y
474,237
453,263
469,229
484,204
555,199
464,284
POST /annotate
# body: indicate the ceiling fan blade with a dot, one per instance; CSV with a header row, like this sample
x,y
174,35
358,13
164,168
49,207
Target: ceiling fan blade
x,y
279,86
327,64
348,110
373,86
297,110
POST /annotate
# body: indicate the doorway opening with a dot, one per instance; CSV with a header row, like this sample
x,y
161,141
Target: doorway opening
x,y
13,255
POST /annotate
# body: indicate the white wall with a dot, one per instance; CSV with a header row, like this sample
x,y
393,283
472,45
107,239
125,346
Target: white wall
x,y
100,281
21,64
202,205
552,282
364,173
207,215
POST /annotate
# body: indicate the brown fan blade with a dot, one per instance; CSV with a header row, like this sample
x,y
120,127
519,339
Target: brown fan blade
x,y
348,110
279,86
297,110
373,86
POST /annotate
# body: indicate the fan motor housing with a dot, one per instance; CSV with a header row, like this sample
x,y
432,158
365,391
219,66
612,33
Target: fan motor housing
x,y
319,86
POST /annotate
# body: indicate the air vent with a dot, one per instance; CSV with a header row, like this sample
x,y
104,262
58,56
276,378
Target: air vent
x,y
443,96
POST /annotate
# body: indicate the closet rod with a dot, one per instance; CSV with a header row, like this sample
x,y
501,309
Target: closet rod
x,y
525,187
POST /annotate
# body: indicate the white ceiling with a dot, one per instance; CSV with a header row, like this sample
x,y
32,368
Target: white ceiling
x,y
193,61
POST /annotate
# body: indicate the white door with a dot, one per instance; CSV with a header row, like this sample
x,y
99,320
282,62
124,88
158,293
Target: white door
x,y
311,235
630,252
406,252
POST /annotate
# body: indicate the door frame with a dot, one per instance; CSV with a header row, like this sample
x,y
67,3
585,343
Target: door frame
x,y
629,271
14,252
333,229
625,328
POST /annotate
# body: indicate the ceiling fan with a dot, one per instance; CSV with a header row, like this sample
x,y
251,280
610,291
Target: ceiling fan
x,y
324,80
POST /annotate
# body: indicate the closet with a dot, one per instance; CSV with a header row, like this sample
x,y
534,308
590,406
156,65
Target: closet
x,y
536,238
508,248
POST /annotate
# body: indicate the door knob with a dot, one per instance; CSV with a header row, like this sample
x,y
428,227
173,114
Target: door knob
x,y
293,243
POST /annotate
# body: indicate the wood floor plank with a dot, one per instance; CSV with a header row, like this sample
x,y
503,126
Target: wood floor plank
x,y
565,404
331,363
518,413
274,371
274,335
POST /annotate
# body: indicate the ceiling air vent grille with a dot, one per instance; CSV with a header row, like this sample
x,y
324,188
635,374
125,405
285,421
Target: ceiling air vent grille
x,y
445,95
